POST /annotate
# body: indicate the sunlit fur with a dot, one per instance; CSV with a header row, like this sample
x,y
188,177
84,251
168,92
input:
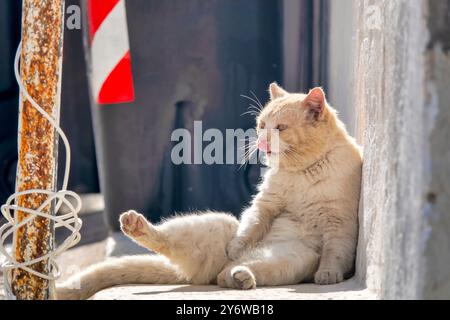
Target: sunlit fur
x,y
301,226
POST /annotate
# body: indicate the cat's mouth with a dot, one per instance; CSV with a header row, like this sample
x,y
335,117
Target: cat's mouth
x,y
271,153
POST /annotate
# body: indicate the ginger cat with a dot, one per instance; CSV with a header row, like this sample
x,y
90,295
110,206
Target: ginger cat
x,y
301,226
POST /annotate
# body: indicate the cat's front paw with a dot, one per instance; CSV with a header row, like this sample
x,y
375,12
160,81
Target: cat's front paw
x,y
328,276
243,278
235,248
133,224
239,277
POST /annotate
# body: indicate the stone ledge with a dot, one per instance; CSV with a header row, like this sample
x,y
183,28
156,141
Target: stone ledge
x,y
118,245
349,290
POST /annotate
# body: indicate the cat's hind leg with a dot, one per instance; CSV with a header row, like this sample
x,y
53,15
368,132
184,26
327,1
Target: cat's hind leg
x,y
283,263
195,243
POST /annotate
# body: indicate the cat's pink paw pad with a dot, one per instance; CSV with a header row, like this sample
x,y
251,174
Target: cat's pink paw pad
x,y
243,278
328,276
133,223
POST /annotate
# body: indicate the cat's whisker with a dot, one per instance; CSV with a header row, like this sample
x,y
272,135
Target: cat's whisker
x,y
295,152
248,142
259,102
249,153
255,108
292,154
253,100
250,112
250,139
244,147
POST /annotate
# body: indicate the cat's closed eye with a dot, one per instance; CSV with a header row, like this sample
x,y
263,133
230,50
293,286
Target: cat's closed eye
x,y
262,125
281,127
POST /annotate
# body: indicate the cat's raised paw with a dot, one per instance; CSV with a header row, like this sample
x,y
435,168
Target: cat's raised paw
x,y
133,224
328,276
243,278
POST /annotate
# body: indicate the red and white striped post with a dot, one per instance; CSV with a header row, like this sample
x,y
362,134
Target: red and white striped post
x,y
111,75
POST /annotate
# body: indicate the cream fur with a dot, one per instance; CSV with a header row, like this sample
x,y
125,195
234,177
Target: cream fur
x,y
301,226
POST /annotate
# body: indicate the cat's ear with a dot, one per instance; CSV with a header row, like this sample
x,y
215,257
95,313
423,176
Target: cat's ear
x,y
276,91
315,102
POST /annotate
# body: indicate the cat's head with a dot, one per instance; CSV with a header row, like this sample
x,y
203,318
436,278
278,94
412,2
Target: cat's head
x,y
295,129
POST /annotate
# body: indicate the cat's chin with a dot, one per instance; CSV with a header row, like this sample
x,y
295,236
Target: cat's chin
x,y
273,159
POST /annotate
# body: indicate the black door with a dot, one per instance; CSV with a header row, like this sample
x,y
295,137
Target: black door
x,y
191,61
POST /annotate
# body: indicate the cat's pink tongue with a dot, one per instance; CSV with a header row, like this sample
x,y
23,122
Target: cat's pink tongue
x,y
263,146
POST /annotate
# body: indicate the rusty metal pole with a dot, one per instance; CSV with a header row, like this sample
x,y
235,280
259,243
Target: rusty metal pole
x,y
40,69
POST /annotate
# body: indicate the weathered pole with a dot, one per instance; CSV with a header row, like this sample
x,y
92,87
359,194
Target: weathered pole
x,y
40,69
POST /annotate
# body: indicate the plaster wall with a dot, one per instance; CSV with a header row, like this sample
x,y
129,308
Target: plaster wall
x,y
401,101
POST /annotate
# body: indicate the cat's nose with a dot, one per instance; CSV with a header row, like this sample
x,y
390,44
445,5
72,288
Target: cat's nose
x,y
263,145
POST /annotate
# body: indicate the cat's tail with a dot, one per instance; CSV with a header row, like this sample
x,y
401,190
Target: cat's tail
x,y
145,269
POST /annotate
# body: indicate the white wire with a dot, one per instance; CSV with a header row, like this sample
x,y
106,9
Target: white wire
x,y
70,220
